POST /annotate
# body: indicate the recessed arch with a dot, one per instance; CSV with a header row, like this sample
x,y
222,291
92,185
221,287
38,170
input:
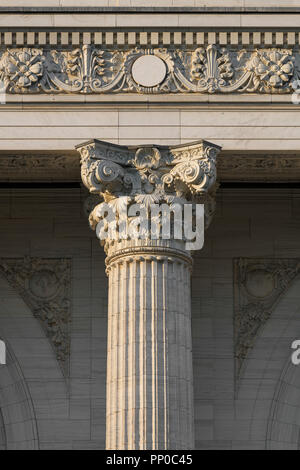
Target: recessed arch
x,y
270,383
284,421
18,427
26,381
2,433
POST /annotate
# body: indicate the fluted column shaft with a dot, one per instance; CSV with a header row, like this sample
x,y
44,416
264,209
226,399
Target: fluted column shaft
x,y
149,364
149,368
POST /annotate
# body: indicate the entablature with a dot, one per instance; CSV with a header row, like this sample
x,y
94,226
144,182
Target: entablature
x,y
231,167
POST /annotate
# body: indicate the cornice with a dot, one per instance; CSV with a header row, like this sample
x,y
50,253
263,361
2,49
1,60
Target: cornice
x,y
128,7
139,20
152,10
122,101
123,37
138,4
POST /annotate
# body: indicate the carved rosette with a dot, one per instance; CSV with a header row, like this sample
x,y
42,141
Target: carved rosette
x,y
45,286
22,69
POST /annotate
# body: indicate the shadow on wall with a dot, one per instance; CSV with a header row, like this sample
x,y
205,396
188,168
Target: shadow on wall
x,y
2,352
18,429
284,422
3,445
269,392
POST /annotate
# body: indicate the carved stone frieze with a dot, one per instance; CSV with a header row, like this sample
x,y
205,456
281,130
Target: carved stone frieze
x,y
259,168
41,167
45,286
230,167
207,69
259,284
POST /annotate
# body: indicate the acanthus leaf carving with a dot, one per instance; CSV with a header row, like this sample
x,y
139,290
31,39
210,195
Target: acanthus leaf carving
x,y
45,286
150,174
89,69
259,284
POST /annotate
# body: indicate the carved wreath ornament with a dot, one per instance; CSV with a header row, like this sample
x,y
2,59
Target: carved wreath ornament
x,y
88,69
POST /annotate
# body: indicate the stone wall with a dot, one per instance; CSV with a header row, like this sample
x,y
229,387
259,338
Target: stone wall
x,y
236,130
231,411
69,409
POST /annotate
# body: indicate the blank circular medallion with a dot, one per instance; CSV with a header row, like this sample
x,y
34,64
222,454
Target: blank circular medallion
x,y
260,283
44,284
149,70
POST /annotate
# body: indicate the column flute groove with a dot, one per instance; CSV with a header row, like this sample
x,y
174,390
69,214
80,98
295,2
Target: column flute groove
x,y
149,349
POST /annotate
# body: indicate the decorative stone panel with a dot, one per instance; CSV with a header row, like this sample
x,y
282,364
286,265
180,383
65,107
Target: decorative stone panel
x,y
231,167
259,284
207,68
263,167
45,286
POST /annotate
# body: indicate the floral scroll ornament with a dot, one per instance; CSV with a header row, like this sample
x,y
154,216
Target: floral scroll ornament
x,y
22,69
199,64
212,68
87,69
272,69
150,175
147,158
45,286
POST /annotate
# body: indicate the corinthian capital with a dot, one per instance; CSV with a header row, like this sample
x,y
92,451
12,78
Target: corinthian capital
x,y
161,171
151,174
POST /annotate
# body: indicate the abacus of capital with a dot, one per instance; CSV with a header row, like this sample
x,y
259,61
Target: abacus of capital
x,y
149,351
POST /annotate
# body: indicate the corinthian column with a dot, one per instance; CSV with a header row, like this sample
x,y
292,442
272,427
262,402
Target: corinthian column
x,y
149,350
